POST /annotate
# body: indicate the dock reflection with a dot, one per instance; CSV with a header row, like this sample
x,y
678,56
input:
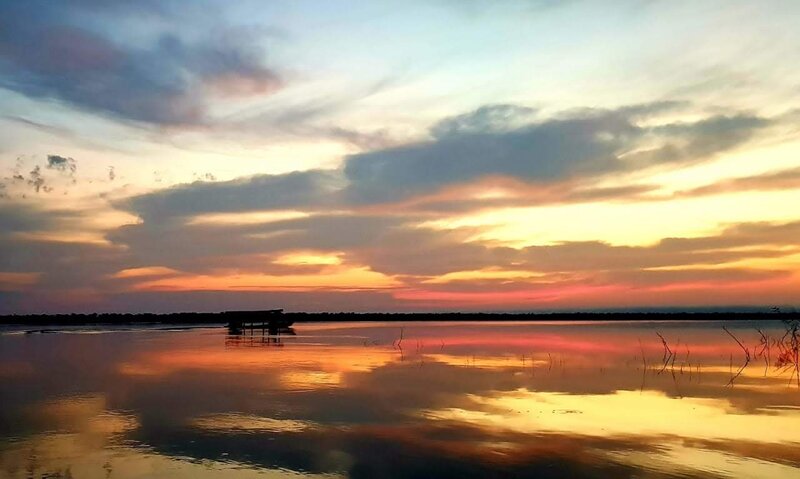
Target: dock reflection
x,y
254,337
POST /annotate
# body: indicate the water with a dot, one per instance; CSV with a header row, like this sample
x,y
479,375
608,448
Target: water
x,y
452,400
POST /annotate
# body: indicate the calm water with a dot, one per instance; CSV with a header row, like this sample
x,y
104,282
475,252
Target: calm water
x,y
456,400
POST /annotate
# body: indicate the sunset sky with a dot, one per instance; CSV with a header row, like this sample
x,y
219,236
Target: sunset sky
x,y
398,155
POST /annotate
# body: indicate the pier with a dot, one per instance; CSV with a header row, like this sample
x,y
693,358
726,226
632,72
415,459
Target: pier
x,y
270,321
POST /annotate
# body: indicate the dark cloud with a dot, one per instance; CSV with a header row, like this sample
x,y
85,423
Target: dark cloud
x,y
550,150
697,141
16,217
25,247
62,164
553,160
583,143
60,50
486,119
36,180
64,265
204,247
314,188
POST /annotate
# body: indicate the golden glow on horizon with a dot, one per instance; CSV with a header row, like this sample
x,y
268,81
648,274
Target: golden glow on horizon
x,y
86,237
339,278
144,272
250,217
310,258
488,273
634,224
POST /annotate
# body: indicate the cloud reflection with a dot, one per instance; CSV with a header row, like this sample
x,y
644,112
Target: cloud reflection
x,y
452,400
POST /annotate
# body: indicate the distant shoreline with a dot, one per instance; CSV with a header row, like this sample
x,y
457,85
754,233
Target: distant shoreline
x,y
223,318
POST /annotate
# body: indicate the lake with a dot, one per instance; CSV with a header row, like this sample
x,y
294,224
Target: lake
x,y
403,400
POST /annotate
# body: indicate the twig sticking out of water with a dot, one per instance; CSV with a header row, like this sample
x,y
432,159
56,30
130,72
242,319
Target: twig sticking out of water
x,y
746,357
668,354
644,366
644,359
686,361
765,350
399,342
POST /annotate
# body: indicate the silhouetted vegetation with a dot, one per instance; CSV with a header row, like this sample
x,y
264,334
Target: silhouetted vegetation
x,y
243,317
789,347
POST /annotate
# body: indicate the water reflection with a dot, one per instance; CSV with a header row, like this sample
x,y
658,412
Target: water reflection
x,y
263,336
402,400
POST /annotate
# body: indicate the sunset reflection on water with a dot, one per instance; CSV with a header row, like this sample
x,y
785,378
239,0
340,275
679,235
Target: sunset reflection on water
x,y
356,400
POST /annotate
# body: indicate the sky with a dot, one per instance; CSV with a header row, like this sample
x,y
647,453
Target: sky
x,y
391,155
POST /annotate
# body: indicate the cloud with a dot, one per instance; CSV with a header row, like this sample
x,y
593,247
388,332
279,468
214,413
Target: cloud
x,y
775,180
486,119
36,180
546,161
63,265
394,243
583,143
314,188
29,243
17,217
206,247
62,164
37,177
60,51
697,141
408,254
370,214
347,214
548,151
